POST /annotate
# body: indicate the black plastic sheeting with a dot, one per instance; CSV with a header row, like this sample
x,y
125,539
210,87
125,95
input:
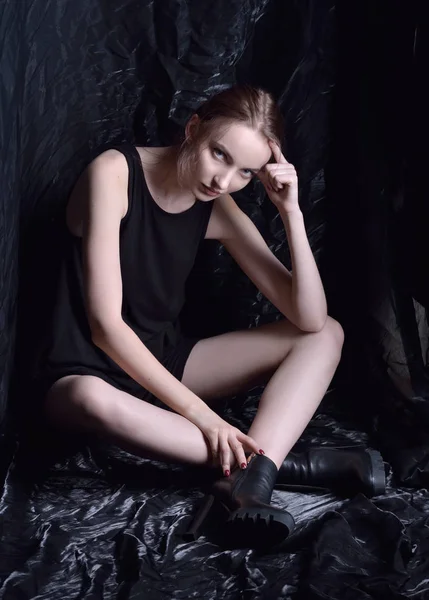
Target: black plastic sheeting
x,y
82,520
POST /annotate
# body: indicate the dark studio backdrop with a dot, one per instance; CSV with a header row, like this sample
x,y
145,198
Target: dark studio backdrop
x,y
351,81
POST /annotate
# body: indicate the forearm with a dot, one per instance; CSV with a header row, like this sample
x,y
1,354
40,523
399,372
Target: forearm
x,y
123,346
308,296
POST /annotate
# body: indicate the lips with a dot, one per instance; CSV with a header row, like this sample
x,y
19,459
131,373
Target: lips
x,y
210,191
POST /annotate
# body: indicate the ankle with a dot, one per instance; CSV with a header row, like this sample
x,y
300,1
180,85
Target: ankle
x,y
274,457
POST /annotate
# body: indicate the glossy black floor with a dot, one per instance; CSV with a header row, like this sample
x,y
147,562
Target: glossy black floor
x,y
99,523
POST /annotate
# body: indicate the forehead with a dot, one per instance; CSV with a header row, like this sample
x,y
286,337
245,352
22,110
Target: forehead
x,y
248,148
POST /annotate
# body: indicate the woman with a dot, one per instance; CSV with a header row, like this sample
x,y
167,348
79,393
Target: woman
x,y
135,220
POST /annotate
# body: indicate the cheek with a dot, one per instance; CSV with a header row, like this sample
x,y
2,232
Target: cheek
x,y
238,183
202,166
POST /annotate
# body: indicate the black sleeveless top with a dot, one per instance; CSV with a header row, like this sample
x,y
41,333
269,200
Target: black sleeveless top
x,y
157,252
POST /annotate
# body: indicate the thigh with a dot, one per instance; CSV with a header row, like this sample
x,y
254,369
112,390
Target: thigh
x,y
84,402
233,362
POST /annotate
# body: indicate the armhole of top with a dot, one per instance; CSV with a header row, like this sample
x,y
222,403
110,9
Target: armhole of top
x,y
134,180
207,214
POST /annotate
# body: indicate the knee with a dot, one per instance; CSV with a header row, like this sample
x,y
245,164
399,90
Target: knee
x,y
332,336
89,395
79,401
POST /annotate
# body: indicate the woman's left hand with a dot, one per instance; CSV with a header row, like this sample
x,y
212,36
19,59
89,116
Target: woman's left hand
x,y
280,181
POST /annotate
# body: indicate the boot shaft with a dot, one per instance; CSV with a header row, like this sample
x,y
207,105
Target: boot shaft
x,y
346,470
253,484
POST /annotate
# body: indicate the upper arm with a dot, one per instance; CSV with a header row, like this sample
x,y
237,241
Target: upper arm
x,y
104,189
233,228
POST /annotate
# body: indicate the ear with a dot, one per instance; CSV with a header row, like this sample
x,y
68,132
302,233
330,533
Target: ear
x,y
191,127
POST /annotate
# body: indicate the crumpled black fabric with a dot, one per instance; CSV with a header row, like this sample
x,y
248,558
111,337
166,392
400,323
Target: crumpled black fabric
x,y
81,519
94,522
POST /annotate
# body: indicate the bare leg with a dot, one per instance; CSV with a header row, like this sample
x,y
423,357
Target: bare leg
x,y
305,362
216,367
294,393
87,403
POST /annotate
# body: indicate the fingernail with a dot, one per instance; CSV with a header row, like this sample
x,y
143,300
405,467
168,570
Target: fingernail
x,y
227,473
261,452
243,465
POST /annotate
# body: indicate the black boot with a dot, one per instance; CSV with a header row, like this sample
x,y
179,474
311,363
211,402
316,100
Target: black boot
x,y
345,471
245,497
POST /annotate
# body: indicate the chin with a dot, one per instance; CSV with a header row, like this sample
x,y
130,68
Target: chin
x,y
199,195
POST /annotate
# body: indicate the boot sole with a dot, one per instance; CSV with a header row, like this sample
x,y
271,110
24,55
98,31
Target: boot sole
x,y
252,527
255,526
378,475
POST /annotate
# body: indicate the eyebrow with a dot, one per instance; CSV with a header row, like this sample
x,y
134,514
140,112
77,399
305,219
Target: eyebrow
x,y
222,147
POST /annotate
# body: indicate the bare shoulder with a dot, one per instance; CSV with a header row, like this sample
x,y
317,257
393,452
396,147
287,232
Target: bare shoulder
x,y
110,164
108,172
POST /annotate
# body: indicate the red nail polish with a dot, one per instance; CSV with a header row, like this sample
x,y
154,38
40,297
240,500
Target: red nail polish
x,y
261,452
227,473
243,465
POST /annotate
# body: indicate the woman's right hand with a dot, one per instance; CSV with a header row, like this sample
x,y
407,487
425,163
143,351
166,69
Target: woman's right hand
x,y
224,439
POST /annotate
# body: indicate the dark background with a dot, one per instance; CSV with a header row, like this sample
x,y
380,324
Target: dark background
x,y
87,521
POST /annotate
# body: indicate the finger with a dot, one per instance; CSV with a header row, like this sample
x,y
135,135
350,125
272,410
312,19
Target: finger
x,y
289,178
275,184
272,176
214,447
215,458
224,455
277,152
263,176
238,450
282,173
279,168
250,443
281,179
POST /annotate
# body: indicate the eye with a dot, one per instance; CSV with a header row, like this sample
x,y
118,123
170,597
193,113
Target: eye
x,y
248,173
218,153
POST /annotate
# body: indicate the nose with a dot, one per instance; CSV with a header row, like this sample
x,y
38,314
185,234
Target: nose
x,y
223,180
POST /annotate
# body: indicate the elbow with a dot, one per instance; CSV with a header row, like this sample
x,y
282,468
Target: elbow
x,y
313,325
98,337
101,332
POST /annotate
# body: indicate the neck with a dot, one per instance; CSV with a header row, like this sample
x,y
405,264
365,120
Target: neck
x,y
171,195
